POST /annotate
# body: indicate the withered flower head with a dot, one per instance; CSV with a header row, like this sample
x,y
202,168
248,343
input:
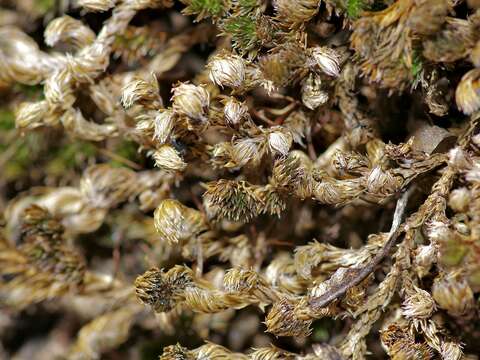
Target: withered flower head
x,y
418,304
280,142
141,91
283,321
164,123
295,12
166,157
459,199
233,200
240,280
105,186
32,115
175,222
227,70
176,352
400,345
235,112
451,350
192,101
467,94
312,94
160,290
452,293
326,59
69,30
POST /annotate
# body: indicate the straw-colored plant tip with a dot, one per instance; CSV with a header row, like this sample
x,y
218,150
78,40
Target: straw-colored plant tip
x,y
192,101
234,112
295,13
313,95
239,179
467,93
325,59
166,157
227,70
97,5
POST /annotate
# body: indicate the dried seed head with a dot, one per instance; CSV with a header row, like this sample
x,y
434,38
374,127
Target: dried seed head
x,y
400,345
452,293
382,182
287,173
97,5
451,350
70,31
166,157
467,94
143,92
280,142
425,256
233,200
350,163
473,175
248,150
176,352
241,280
324,58
312,94
459,199
164,123
33,115
418,304
280,68
227,70
459,159
295,12
162,291
145,123
438,231
105,186
283,321
235,112
192,101
177,223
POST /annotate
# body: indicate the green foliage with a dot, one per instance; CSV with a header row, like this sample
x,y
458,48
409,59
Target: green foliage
x,y
205,8
243,30
354,8
417,65
7,119
44,6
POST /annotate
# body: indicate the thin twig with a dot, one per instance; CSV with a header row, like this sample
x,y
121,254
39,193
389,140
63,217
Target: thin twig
x,y
358,275
119,158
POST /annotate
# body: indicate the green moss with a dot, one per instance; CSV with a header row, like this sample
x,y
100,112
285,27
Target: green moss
x,y
29,92
417,65
44,6
213,7
7,119
452,253
69,156
354,8
243,30
205,8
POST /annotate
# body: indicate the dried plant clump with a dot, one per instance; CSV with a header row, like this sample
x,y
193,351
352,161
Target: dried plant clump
x,y
240,179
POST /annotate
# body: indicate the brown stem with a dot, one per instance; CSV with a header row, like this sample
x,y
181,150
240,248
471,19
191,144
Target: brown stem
x,y
356,276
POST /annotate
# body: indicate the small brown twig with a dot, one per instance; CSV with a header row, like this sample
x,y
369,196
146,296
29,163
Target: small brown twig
x,y
119,158
356,276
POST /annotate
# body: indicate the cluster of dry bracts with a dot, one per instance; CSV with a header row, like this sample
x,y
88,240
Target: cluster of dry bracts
x,y
293,161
